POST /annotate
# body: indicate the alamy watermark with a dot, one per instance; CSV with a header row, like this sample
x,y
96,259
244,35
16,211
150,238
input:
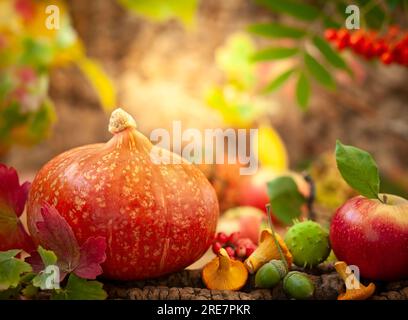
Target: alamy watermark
x,y
353,277
353,19
212,146
52,21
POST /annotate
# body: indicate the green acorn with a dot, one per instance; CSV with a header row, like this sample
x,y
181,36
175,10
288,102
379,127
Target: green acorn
x,y
270,274
298,285
308,242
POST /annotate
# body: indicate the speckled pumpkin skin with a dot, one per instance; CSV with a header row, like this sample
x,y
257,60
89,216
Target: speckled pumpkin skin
x,y
156,218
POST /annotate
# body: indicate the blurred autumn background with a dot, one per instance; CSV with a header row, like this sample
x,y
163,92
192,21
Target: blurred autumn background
x,y
211,64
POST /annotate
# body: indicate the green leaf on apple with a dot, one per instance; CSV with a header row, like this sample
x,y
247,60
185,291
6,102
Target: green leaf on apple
x,y
358,169
80,289
285,199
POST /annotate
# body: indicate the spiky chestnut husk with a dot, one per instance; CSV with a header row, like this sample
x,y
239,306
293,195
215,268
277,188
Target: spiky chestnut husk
x,y
308,242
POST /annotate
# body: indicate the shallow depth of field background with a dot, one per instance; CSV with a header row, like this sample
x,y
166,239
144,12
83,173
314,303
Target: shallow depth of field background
x,y
165,70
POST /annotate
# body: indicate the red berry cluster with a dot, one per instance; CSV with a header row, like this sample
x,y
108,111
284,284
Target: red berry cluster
x,y
236,247
391,47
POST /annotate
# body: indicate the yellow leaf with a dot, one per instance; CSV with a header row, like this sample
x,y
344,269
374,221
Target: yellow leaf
x,y
272,152
68,55
99,80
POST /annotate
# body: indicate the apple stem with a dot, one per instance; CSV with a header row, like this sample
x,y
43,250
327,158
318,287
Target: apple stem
x,y
312,195
384,198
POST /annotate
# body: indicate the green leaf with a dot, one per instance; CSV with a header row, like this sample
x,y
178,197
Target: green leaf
x,y
392,4
331,56
30,291
275,30
7,255
11,269
319,72
375,17
48,257
295,9
285,199
42,279
330,23
302,90
80,289
278,81
358,169
274,54
10,293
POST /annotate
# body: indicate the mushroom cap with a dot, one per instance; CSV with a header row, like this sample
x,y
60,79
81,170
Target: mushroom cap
x,y
224,273
361,293
267,251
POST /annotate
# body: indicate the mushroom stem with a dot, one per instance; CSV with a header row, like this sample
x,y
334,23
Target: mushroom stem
x,y
347,275
268,250
225,261
223,273
354,289
120,120
341,267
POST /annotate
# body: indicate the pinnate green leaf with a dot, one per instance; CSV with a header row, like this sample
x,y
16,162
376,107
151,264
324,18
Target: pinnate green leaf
x,y
319,72
327,51
285,199
302,90
274,54
358,169
278,81
275,30
297,9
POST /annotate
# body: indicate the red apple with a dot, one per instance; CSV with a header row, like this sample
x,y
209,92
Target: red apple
x,y
245,220
254,190
373,236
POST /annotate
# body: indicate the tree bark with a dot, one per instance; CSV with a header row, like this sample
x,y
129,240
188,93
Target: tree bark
x,y
187,285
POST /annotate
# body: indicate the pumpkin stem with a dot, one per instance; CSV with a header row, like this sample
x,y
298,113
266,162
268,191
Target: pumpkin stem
x,y
120,120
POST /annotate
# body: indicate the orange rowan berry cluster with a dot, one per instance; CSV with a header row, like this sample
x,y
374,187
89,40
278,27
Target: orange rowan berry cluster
x,y
392,47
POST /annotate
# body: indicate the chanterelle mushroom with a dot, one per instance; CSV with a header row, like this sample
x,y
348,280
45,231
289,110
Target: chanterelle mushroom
x,y
354,289
224,273
267,251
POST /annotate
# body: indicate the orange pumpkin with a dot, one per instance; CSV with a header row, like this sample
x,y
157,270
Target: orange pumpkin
x,y
156,218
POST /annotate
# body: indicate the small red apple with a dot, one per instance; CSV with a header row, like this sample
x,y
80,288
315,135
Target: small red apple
x,y
373,236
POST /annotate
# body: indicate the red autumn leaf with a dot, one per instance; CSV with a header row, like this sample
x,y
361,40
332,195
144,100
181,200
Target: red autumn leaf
x,y
13,197
36,262
92,255
55,234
